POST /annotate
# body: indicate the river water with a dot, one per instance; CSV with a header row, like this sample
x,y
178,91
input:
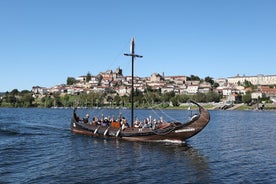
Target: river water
x,y
37,146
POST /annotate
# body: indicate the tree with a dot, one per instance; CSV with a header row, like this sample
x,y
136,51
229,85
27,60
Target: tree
x,y
109,99
209,79
215,85
184,98
174,101
65,100
167,96
88,77
47,101
117,100
247,98
238,98
15,92
247,84
212,97
193,78
71,80
27,99
200,97
11,99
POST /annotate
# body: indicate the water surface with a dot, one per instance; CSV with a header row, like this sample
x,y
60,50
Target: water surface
x,y
37,146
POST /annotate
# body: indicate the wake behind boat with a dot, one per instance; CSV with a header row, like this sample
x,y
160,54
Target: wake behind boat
x,y
155,131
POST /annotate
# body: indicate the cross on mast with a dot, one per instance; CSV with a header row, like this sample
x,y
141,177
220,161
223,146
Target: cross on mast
x,y
133,56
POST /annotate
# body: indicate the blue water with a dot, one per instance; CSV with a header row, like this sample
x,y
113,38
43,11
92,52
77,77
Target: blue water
x,y
37,146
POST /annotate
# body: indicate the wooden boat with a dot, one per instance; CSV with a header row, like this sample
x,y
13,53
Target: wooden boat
x,y
165,131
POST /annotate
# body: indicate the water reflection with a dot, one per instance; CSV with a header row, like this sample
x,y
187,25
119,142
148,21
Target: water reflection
x,y
185,158
167,161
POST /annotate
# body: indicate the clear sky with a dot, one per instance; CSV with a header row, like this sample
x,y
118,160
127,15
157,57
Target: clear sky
x,y
42,42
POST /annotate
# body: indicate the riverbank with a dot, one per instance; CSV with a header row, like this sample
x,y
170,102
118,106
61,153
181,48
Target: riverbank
x,y
219,106
183,106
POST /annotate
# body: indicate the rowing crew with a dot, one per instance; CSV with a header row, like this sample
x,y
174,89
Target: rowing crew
x,y
120,122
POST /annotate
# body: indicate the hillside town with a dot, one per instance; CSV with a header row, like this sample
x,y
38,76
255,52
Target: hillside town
x,y
115,82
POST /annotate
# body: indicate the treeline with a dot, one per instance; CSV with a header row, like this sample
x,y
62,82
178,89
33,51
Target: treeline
x,y
151,98
16,98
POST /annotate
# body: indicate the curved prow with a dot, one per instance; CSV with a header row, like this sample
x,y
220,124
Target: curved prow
x,y
198,123
75,117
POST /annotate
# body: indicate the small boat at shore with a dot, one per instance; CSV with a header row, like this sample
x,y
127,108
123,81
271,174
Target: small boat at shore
x,y
162,131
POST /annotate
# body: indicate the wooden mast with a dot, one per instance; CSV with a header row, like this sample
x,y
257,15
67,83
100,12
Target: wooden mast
x,y
133,56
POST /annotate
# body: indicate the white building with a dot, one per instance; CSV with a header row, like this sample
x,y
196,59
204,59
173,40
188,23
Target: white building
x,y
255,80
256,95
192,89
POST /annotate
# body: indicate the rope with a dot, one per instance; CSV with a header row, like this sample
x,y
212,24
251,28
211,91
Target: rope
x,y
165,130
161,111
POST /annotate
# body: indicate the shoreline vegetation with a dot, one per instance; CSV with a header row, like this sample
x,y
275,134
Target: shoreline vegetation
x,y
150,100
218,106
185,106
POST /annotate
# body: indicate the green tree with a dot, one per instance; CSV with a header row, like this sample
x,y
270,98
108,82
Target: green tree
x,y
71,80
117,100
215,85
125,100
212,97
247,98
247,84
47,101
11,99
184,98
15,92
175,101
238,98
200,97
27,100
109,99
65,100
209,79
88,77
167,96
193,78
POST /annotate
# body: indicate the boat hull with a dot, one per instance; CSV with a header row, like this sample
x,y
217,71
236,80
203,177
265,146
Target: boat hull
x,y
174,131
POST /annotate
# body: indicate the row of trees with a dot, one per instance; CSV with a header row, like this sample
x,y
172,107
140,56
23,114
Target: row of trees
x,y
17,98
150,98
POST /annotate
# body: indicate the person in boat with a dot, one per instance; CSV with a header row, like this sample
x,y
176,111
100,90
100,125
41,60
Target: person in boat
x,y
154,125
105,122
86,118
159,123
124,123
95,120
161,120
145,124
150,121
119,118
136,124
115,123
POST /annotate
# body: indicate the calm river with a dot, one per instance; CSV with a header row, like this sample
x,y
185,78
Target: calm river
x,y
37,146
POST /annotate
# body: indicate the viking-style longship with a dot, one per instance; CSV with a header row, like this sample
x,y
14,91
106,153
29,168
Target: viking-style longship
x,y
163,131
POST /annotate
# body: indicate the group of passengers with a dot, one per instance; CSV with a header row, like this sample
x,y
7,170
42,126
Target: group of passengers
x,y
148,123
106,121
122,122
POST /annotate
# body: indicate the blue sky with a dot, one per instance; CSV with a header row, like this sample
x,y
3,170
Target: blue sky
x,y
44,42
